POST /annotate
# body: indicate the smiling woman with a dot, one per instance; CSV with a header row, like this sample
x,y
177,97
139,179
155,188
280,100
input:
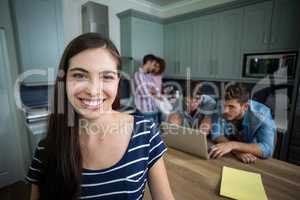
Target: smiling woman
x,y
92,151
92,89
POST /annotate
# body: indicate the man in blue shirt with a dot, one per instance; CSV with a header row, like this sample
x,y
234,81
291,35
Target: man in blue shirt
x,y
246,128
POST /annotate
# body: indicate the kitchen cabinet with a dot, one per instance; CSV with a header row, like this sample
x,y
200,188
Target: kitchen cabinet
x,y
226,56
125,27
212,42
170,49
290,141
256,27
147,38
177,48
39,33
188,46
210,45
291,144
202,46
139,36
271,26
213,45
184,47
285,25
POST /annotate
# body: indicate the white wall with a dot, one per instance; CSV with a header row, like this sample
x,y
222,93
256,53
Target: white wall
x,y
72,16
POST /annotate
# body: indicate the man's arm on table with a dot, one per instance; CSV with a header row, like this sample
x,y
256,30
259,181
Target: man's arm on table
x,y
265,137
224,145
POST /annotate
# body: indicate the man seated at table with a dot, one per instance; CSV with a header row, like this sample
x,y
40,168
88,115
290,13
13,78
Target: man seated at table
x,y
246,128
196,111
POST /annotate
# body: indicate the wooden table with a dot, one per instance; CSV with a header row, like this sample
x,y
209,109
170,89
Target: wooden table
x,y
192,178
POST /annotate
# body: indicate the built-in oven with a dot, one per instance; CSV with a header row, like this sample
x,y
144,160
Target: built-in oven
x,y
277,65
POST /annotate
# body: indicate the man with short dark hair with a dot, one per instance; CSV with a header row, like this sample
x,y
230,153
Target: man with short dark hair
x,y
246,128
144,83
149,58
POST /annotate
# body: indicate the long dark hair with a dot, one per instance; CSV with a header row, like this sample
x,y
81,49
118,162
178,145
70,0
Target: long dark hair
x,y
63,160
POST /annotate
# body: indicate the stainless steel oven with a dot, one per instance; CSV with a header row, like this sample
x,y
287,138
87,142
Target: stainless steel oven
x,y
276,65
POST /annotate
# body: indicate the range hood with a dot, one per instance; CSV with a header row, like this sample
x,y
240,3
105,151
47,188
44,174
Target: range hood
x,y
95,18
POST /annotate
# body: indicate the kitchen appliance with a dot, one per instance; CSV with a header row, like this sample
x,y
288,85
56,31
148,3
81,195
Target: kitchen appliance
x,y
95,18
274,65
36,100
37,124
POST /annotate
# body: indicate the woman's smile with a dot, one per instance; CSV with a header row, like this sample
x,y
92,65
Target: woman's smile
x,y
91,104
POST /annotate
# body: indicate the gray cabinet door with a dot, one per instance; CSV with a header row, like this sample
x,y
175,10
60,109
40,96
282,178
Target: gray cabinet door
x,y
125,30
40,36
203,29
257,26
285,25
147,38
227,50
184,48
177,52
170,48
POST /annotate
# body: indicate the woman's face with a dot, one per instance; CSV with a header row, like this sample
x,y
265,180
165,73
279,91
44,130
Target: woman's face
x,y
156,67
92,82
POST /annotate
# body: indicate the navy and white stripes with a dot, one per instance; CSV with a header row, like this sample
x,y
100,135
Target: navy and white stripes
x,y
127,178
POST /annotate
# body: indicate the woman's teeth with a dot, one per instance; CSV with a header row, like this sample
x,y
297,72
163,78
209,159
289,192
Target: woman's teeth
x,y
92,103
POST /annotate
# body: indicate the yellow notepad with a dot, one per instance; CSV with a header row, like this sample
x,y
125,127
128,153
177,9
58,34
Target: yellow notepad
x,y
242,185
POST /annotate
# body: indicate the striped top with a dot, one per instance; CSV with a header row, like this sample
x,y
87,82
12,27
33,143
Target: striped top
x,y
124,180
144,102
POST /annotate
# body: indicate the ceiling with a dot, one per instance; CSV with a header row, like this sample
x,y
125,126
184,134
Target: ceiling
x,y
169,8
163,3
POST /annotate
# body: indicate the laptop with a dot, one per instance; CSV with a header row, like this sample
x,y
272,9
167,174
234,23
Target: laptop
x,y
185,139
